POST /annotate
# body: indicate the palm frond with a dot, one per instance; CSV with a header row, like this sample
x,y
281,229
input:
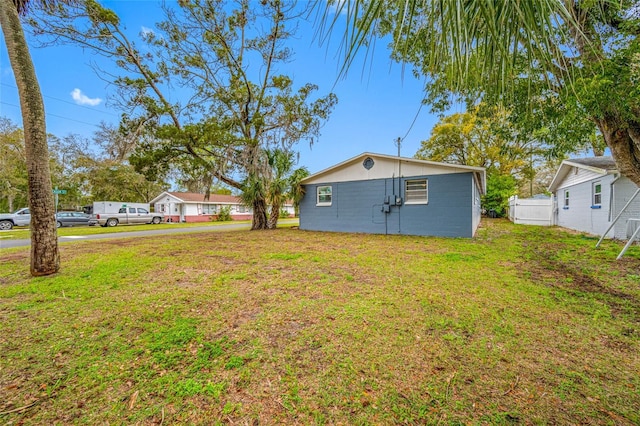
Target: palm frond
x,y
452,34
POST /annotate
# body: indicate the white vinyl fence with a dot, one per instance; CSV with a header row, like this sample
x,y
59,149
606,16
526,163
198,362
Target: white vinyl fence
x,y
531,211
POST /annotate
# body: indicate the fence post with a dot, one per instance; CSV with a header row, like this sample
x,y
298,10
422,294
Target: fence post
x,y
513,211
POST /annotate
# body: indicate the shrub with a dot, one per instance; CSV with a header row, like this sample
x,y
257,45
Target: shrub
x,y
224,214
499,189
284,214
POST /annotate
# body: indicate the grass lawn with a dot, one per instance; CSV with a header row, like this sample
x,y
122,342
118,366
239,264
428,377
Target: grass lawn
x,y
519,325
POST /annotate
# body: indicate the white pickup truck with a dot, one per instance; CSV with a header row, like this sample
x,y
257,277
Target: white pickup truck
x,y
126,215
20,217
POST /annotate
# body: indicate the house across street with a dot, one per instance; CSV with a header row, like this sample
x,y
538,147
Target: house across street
x,y
195,207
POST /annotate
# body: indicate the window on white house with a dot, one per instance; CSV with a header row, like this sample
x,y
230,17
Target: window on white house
x,y
566,198
597,193
241,209
209,209
416,191
323,196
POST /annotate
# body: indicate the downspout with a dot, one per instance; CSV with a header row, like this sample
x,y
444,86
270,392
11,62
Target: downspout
x,y
612,197
386,215
399,184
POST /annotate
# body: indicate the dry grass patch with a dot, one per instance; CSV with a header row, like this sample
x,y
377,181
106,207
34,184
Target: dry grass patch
x,y
520,325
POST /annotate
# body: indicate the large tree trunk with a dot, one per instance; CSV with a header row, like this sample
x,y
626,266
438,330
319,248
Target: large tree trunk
x,y
624,142
259,215
45,257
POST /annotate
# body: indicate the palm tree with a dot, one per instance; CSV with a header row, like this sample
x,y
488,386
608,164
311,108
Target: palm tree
x,y
481,46
296,191
280,164
45,257
253,196
275,183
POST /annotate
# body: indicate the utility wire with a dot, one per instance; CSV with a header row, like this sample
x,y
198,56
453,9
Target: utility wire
x,y
413,122
54,115
67,102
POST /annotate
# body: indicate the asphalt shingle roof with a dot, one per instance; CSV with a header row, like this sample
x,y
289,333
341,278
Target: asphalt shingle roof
x,y
604,163
200,198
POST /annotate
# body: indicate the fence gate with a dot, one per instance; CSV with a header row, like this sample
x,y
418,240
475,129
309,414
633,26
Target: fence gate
x,y
531,211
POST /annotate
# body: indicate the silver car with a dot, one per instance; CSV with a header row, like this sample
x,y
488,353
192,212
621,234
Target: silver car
x,y
73,219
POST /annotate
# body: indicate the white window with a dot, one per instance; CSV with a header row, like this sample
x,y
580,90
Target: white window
x,y
597,193
323,196
416,191
566,199
241,209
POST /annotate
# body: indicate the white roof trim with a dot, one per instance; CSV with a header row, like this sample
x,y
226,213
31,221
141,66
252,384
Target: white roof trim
x,y
163,194
583,166
180,200
565,168
395,158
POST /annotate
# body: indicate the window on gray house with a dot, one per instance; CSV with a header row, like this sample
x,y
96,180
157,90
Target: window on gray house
x,y
416,191
323,195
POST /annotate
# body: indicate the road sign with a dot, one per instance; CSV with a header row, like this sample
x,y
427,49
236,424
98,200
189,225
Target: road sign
x,y
59,191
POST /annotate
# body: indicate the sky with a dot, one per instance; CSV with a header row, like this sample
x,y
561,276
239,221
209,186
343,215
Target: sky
x,y
378,100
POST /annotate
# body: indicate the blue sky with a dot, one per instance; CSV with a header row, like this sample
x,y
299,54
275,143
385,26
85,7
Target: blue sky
x,y
378,100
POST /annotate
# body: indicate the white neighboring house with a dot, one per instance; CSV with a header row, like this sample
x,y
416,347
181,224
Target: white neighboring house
x,y
590,193
195,207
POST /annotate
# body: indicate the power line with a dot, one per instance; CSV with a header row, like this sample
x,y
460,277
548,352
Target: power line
x,y
48,114
413,122
67,102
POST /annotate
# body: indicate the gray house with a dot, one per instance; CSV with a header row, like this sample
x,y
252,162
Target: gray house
x,y
382,194
590,193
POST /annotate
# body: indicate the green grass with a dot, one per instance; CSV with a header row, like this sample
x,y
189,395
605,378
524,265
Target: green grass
x,y
519,325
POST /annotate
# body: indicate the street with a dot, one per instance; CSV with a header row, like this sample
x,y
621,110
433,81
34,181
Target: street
x,y
165,229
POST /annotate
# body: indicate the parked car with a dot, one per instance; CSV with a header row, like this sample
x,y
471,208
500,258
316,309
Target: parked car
x,y
73,219
20,217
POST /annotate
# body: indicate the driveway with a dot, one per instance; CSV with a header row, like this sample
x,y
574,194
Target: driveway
x,y
166,229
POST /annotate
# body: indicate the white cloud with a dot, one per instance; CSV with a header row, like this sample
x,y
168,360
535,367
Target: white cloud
x,y
145,31
82,99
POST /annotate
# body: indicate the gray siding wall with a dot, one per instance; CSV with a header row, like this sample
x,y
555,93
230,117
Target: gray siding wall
x,y
580,216
356,207
623,190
